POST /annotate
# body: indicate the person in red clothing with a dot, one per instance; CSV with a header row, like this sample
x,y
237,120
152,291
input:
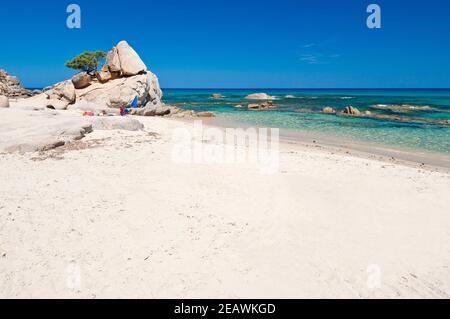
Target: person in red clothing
x,y
124,111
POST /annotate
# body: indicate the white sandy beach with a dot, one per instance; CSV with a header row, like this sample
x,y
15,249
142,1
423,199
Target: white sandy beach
x,y
114,217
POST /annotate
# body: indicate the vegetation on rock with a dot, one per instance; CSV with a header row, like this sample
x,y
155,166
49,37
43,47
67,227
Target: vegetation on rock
x,y
87,62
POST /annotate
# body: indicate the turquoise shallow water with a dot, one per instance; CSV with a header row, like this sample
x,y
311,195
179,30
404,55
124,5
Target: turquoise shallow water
x,y
413,119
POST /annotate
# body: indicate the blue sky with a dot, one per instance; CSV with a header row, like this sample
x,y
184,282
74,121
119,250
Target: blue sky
x,y
238,44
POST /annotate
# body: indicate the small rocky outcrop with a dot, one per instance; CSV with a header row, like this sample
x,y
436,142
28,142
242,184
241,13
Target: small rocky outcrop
x,y
217,96
10,86
328,110
261,106
151,110
260,96
350,110
64,91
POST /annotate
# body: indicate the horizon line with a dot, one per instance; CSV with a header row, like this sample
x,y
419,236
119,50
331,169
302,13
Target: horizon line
x,y
412,88
268,88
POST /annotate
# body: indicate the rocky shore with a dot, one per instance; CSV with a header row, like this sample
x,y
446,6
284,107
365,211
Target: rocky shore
x,y
124,78
10,87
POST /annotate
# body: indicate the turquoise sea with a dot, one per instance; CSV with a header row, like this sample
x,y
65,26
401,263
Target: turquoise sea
x,y
412,119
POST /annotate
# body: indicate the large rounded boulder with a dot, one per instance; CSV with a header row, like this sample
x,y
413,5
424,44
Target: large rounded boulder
x,y
130,62
81,81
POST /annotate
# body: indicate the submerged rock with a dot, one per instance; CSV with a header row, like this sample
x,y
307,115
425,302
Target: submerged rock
x,y
402,108
261,106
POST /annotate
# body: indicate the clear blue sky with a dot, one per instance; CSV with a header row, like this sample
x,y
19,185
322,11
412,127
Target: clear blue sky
x,y
238,44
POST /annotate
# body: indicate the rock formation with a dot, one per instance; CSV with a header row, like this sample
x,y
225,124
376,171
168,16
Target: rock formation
x,y
123,78
328,110
350,110
81,81
10,86
37,124
260,96
151,110
261,106
130,62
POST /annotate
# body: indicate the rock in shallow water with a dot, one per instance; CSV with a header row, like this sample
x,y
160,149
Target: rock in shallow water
x,y
261,106
260,96
328,110
350,110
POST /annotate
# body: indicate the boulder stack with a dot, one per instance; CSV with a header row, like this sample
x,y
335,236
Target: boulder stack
x,y
123,79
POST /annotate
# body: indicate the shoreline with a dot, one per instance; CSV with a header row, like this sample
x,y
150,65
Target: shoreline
x,y
345,146
360,148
